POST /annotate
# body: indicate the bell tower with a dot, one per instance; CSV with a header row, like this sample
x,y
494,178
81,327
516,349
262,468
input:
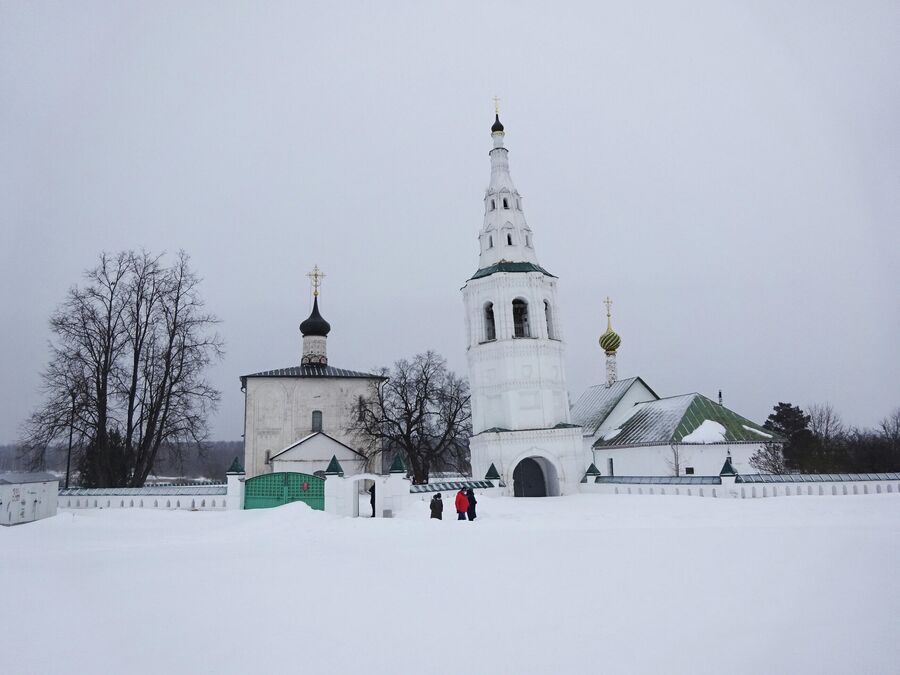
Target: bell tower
x,y
514,343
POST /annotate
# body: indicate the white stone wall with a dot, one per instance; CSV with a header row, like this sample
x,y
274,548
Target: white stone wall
x,y
560,447
278,413
731,490
516,383
656,460
164,502
26,502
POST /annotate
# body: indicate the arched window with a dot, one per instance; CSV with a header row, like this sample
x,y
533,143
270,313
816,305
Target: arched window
x,y
548,315
520,319
490,329
509,240
505,203
493,205
317,420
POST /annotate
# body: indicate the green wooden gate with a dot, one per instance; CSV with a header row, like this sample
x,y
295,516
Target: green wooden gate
x,y
275,489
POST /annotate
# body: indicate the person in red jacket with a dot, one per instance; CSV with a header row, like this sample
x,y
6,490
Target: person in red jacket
x,y
462,504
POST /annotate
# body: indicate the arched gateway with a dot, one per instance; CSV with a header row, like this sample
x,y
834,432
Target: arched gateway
x,y
535,477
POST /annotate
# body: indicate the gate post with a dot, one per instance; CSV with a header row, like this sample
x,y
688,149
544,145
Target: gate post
x,y
234,492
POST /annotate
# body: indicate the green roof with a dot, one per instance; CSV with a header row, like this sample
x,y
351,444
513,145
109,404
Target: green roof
x,y
504,266
334,467
492,473
592,470
236,466
674,419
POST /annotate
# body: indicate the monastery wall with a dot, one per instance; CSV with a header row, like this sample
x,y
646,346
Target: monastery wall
x,y
729,489
657,460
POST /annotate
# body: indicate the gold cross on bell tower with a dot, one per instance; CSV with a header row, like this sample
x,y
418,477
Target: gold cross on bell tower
x,y
608,304
497,105
316,277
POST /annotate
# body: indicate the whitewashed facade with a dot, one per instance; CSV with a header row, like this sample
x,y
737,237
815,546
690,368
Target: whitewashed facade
x,y
515,348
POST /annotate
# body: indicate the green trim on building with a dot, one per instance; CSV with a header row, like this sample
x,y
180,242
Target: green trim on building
x,y
398,465
492,473
236,466
504,266
727,468
334,467
592,470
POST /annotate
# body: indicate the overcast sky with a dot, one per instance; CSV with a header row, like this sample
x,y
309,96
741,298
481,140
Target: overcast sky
x,y
729,173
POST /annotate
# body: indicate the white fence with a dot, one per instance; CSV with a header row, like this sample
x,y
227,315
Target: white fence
x,y
199,497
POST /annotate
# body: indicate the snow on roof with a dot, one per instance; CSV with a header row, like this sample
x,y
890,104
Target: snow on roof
x,y
597,402
306,438
19,477
689,418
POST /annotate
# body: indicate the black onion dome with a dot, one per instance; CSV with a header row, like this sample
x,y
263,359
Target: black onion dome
x,y
498,125
315,324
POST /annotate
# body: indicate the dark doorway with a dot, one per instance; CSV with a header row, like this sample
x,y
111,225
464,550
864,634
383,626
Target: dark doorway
x,y
528,479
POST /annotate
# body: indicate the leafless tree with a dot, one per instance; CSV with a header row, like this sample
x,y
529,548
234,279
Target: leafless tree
x,y
422,411
674,461
825,423
769,459
890,429
127,369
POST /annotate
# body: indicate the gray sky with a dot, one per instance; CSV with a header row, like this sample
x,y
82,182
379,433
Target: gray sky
x,y
728,173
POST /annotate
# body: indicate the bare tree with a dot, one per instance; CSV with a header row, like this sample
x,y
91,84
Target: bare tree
x,y
890,429
825,423
769,459
127,369
422,411
674,461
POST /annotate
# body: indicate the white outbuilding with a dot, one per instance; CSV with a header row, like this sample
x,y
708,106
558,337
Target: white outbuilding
x,y
25,497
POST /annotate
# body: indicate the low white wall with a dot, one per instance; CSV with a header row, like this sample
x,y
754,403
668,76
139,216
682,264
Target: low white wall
x,y
730,489
170,502
658,460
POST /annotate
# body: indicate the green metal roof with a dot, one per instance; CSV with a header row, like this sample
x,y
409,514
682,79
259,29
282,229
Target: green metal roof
x,y
592,470
671,420
492,473
504,266
727,468
236,466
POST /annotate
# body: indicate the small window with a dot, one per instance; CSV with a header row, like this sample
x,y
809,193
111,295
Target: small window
x,y
490,329
317,420
505,203
490,241
549,318
361,409
268,456
688,471
609,466
528,240
520,319
493,205
518,204
509,240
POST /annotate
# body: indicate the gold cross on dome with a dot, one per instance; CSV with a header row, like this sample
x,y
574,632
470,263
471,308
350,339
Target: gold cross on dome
x,y
316,277
608,304
497,105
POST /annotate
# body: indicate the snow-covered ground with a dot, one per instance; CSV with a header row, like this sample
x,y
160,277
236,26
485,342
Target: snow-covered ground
x,y
584,584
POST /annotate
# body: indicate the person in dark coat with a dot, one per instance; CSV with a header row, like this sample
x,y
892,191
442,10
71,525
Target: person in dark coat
x,y
470,495
462,504
437,507
372,499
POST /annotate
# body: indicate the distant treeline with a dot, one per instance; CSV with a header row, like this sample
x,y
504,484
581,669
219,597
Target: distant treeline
x,y
211,462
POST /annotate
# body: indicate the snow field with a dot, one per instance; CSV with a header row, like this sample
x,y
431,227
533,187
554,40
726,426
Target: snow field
x,y
582,584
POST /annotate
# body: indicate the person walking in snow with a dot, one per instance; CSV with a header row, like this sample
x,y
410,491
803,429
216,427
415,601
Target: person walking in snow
x,y
372,499
462,504
470,495
437,507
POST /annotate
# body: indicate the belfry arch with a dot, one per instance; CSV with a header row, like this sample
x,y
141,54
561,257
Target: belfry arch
x,y
535,476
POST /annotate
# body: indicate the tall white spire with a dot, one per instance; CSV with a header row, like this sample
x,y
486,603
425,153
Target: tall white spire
x,y
505,235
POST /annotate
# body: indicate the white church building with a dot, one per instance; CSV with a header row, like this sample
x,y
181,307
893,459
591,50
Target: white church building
x,y
524,431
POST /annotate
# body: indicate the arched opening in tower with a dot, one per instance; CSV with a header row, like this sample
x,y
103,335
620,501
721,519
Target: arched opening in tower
x,y
535,477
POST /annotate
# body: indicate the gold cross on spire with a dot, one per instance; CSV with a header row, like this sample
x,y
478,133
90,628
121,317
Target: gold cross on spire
x,y
608,304
497,105
316,277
